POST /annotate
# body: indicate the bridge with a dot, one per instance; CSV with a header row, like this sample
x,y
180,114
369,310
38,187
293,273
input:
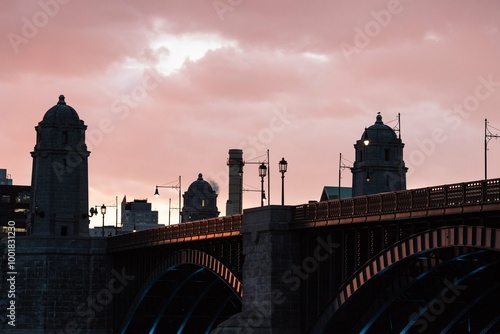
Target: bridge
x,y
413,261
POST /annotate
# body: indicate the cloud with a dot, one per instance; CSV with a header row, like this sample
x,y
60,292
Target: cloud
x,y
216,84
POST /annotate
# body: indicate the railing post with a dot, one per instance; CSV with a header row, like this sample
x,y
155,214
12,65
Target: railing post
x,y
445,195
484,191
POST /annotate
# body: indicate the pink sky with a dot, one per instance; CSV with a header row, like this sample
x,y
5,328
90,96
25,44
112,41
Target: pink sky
x,y
168,87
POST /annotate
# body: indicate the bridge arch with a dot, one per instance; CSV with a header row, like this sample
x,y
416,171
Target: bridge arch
x,y
427,253
153,309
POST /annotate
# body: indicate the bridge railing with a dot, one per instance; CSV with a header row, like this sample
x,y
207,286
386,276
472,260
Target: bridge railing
x,y
446,196
200,229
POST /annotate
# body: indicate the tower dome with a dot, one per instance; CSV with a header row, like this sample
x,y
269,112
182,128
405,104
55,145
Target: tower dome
x,y
200,185
379,132
379,165
61,113
200,201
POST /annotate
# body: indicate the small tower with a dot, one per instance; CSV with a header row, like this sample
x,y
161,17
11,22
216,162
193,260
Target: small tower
x,y
200,201
59,184
234,204
379,165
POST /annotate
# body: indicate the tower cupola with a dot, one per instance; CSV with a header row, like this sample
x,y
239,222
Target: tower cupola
x,y
200,201
379,165
59,181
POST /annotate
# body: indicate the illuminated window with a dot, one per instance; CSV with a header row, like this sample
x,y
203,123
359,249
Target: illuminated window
x,y
202,202
23,197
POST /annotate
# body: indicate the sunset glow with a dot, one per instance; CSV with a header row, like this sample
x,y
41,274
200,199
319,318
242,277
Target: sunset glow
x,y
168,87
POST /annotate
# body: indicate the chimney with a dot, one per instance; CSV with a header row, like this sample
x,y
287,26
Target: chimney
x,y
234,204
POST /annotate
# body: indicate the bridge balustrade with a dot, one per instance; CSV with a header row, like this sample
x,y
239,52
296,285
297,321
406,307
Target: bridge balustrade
x,y
388,202
374,204
360,206
455,195
437,197
406,201
199,229
403,200
419,199
492,191
322,210
334,208
474,192
347,207
445,196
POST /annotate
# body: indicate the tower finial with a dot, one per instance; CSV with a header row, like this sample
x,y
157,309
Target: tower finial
x,y
61,99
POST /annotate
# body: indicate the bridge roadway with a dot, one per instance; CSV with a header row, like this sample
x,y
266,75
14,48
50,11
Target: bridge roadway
x,y
438,201
393,241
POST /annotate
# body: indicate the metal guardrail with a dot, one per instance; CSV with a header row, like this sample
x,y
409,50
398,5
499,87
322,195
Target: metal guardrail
x,y
196,230
406,201
446,196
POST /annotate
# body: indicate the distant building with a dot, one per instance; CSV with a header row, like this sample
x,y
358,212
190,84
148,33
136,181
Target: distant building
x,y
200,201
137,215
14,206
379,165
330,193
5,178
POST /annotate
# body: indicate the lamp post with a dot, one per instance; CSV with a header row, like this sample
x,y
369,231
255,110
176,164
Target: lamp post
x,y
342,166
283,167
103,211
262,174
488,135
177,186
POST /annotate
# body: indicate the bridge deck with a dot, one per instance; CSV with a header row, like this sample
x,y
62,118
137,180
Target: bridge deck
x,y
192,231
459,198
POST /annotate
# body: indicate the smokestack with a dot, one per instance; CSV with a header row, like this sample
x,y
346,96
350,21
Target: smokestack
x,y
234,204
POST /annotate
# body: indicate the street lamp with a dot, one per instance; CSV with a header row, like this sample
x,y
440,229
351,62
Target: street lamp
x,y
488,135
262,174
103,211
366,141
283,166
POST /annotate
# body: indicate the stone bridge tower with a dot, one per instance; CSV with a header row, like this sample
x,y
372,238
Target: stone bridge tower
x,y
59,185
379,165
61,275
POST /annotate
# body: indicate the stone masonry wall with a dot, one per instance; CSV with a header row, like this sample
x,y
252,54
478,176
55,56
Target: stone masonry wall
x,y
61,286
270,248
